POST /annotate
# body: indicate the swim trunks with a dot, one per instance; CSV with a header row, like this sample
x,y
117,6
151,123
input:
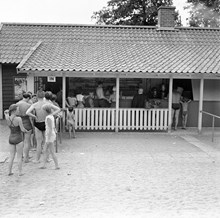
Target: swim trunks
x,y
40,125
176,106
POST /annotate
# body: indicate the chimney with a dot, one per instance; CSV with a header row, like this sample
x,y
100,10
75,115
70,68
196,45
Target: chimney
x,y
166,17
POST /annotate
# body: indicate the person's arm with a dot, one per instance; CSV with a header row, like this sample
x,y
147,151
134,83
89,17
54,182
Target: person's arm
x,y
67,104
30,110
21,125
55,109
50,124
6,113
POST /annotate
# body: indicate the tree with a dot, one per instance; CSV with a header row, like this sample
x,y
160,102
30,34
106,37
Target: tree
x,y
130,12
205,13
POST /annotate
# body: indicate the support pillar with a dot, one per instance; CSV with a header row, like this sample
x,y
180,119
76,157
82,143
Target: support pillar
x,y
63,91
117,104
201,91
64,97
170,105
30,83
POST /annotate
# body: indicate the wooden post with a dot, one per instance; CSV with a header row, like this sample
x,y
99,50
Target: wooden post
x,y
30,83
1,95
64,97
200,105
170,105
117,103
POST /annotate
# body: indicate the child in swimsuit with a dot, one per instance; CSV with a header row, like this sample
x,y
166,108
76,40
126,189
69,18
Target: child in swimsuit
x,y
71,122
50,135
16,137
185,103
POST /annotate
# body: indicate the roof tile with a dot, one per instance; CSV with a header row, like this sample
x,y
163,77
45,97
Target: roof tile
x,y
111,48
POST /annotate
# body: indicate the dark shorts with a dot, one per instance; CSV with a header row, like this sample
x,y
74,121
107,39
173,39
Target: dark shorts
x,y
176,106
40,125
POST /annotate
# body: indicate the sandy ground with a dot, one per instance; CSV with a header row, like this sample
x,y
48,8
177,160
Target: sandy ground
x,y
118,175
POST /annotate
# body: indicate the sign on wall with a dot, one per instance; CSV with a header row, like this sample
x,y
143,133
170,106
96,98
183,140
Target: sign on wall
x,y
51,79
20,86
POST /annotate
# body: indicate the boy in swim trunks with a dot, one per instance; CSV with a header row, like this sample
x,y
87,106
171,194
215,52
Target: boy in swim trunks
x,y
35,111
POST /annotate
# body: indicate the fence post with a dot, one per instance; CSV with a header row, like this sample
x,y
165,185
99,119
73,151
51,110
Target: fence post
x,y
213,126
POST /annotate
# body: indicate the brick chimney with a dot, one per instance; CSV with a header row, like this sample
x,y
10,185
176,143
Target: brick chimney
x,y
166,17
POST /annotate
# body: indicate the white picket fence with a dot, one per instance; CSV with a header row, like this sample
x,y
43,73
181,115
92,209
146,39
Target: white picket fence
x,y
128,119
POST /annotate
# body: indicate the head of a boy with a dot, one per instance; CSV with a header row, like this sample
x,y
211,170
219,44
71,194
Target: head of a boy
x,y
70,109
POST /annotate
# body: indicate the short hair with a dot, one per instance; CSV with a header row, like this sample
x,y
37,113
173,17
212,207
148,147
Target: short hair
x,y
47,108
48,95
70,109
53,97
26,95
12,108
40,94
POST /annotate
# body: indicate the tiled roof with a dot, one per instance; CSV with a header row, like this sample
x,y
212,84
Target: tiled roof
x,y
110,48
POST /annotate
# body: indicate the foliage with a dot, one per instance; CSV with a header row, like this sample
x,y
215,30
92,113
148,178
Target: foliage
x,y
130,12
205,13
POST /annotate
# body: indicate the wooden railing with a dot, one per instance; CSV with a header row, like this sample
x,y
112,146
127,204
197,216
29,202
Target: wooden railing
x,y
128,119
213,122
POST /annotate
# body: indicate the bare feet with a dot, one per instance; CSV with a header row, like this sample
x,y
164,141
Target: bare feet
x,y
42,167
57,168
10,174
20,174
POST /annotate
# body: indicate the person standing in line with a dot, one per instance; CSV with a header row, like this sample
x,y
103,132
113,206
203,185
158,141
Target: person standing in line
x,y
139,99
80,98
176,97
50,135
185,103
89,101
16,137
102,100
70,119
23,106
35,111
112,98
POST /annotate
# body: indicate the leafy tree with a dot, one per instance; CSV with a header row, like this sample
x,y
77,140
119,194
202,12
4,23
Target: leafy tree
x,y
205,13
130,12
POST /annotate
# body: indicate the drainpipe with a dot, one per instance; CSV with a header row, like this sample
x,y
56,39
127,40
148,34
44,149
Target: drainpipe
x,y
1,95
170,105
200,105
117,103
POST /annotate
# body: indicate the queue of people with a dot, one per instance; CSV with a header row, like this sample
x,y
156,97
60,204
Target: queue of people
x,y
32,115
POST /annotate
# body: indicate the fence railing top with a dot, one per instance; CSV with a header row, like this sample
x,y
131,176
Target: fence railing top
x,y
210,114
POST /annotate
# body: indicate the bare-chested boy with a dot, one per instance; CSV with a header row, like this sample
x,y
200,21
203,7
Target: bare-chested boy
x,y
39,116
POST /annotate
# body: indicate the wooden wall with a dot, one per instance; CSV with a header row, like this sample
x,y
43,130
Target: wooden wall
x,y
8,73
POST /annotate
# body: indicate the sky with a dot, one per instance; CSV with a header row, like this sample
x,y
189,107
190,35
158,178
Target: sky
x,y
58,11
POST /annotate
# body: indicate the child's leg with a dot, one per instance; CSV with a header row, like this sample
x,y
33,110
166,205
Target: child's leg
x,y
52,151
39,139
74,132
46,154
11,159
70,130
185,121
19,149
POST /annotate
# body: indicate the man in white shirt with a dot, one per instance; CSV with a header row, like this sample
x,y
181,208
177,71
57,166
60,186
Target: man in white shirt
x,y
102,100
